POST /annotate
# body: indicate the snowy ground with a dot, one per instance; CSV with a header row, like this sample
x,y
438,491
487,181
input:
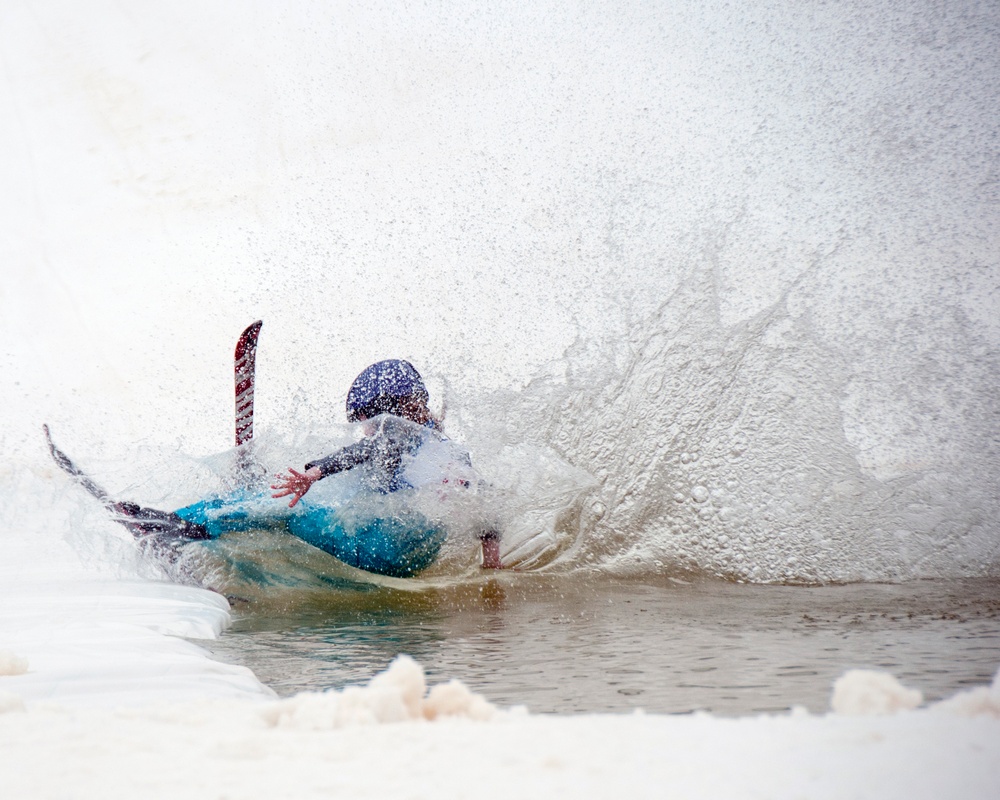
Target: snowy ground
x,y
108,702
237,751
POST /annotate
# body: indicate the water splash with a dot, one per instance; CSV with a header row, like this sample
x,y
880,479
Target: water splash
x,y
772,228
739,450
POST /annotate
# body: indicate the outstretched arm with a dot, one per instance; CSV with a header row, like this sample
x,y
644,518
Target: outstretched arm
x,y
296,483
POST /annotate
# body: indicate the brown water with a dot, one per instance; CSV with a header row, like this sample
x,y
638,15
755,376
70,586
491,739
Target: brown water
x,y
569,644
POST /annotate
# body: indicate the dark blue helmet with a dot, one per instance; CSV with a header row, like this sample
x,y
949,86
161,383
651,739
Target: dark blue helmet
x,y
385,388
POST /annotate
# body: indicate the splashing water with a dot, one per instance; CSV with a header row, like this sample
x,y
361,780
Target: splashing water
x,y
741,451
738,263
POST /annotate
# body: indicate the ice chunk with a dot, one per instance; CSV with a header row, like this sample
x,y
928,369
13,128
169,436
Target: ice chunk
x,y
12,664
396,695
981,701
860,692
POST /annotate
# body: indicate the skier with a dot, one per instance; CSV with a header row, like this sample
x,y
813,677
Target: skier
x,y
403,447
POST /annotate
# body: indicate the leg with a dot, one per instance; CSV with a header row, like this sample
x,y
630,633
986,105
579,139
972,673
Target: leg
x,y
142,522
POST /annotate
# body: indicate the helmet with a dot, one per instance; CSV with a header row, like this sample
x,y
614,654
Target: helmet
x,y
385,388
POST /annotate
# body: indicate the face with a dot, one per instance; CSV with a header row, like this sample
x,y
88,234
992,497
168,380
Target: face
x,y
415,410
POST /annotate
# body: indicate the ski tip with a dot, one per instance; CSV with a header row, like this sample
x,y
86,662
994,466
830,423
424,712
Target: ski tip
x,y
252,330
57,454
244,365
248,339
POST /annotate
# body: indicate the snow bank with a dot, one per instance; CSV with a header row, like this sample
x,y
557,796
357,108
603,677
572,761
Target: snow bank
x,y
867,692
109,644
397,695
448,742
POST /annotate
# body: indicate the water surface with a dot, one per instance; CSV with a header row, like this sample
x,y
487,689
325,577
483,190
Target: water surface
x,y
577,644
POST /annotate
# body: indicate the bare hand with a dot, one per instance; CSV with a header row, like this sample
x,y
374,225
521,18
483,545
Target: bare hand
x,y
491,553
295,483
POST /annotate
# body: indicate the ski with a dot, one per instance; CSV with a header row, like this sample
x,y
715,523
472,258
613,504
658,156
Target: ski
x,y
139,521
168,527
248,475
67,466
245,364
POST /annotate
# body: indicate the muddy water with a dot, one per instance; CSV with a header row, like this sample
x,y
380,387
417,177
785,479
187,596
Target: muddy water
x,y
572,644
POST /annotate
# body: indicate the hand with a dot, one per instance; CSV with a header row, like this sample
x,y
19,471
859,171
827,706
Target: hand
x,y
491,552
295,483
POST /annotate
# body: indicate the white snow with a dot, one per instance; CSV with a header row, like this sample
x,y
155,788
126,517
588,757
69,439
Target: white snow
x,y
11,664
860,691
397,695
393,739
114,644
981,701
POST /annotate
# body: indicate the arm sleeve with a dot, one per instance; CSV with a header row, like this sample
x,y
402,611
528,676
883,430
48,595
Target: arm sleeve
x,y
346,458
383,451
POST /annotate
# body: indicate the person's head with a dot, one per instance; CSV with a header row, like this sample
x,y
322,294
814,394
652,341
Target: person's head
x,y
388,387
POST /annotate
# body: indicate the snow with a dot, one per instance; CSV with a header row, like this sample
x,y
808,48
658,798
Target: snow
x,y
397,695
392,738
861,691
981,701
114,644
11,664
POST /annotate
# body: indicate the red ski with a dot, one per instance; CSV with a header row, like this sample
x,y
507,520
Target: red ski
x,y
245,364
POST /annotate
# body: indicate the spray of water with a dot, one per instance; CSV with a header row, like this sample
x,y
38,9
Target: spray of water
x,y
707,287
738,451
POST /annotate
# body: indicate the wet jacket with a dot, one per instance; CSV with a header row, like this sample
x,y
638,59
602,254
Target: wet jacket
x,y
383,455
